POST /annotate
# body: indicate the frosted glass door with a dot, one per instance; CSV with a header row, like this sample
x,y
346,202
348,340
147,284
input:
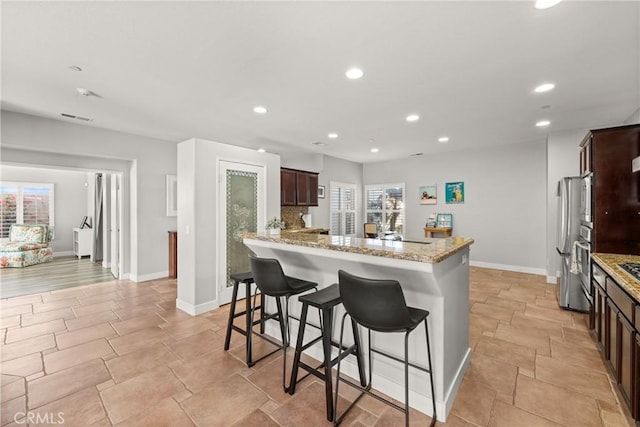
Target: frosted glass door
x,y
243,210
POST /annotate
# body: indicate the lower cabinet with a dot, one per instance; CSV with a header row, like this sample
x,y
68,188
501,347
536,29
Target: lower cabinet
x,y
82,239
626,358
636,387
612,319
598,316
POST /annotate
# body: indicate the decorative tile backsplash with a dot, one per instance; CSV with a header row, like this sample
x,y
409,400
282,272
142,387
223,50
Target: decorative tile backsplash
x,y
291,215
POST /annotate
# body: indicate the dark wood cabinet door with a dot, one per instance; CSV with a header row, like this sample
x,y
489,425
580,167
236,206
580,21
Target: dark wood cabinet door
x,y
611,338
313,189
636,379
287,187
302,182
625,366
616,190
598,316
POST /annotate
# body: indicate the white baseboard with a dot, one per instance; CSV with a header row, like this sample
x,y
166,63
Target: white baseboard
x,y
150,276
194,310
515,268
62,253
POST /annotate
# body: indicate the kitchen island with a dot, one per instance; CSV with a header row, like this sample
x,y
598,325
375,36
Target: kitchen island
x,y
434,275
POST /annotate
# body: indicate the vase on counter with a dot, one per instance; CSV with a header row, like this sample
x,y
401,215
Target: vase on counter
x,y
273,231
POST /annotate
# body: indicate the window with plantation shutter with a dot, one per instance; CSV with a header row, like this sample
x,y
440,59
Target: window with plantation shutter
x,y
385,207
343,209
25,203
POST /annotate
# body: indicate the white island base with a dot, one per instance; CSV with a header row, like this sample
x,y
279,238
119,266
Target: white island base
x,y
441,287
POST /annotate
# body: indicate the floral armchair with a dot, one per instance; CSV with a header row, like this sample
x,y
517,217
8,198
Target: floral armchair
x,y
27,245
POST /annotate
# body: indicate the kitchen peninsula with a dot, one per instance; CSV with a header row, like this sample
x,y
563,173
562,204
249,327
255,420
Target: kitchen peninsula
x,y
434,275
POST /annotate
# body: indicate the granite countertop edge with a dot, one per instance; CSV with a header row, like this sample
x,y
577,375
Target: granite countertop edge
x,y
610,264
432,251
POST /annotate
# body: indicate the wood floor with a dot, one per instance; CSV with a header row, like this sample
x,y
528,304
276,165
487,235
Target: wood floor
x,y
63,272
120,353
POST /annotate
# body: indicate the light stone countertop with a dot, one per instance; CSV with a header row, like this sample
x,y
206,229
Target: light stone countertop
x,y
432,250
610,264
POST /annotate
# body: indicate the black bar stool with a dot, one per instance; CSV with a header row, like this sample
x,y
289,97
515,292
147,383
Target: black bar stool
x,y
247,279
271,281
324,300
379,305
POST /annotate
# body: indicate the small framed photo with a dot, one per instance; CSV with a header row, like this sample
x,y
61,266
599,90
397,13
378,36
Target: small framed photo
x,y
172,195
428,194
320,191
445,220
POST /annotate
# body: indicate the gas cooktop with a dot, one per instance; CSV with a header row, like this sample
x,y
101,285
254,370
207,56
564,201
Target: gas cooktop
x,y
632,268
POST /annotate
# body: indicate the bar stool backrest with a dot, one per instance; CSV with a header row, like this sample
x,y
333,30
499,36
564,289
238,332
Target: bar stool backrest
x,y
376,304
268,276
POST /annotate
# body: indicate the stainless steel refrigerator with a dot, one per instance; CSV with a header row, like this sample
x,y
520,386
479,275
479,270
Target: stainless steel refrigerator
x,y
569,290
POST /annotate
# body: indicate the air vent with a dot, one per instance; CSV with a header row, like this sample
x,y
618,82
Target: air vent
x,y
71,116
319,144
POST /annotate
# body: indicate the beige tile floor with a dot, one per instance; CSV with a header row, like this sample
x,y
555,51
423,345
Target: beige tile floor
x,y
120,353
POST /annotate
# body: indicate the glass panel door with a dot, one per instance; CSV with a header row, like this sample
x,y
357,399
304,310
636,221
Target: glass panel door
x,y
243,210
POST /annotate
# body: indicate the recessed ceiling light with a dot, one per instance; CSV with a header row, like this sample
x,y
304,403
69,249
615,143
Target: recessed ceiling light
x,y
413,118
375,150
261,150
333,135
443,139
259,109
83,92
354,73
542,123
544,87
546,4
75,68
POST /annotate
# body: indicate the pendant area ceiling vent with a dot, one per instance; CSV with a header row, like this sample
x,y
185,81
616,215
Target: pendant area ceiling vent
x,y
71,116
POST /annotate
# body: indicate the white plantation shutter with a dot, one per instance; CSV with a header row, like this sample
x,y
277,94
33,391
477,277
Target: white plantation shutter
x,y
385,206
25,203
343,209
8,208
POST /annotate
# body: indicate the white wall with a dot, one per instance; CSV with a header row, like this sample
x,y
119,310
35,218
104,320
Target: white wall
x,y
505,200
633,118
199,258
563,159
70,198
334,169
35,141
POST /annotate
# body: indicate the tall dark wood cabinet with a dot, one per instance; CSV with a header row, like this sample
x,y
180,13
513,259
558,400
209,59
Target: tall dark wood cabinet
x,y
173,254
607,153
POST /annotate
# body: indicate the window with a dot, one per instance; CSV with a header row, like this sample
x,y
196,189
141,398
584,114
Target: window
x,y
385,207
25,203
343,209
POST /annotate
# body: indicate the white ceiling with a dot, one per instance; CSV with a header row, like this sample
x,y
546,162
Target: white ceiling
x,y
176,70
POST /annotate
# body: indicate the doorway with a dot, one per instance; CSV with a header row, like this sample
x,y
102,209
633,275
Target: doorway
x,y
242,205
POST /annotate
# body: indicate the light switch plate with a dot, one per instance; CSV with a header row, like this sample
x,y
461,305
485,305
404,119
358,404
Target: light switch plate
x,y
635,164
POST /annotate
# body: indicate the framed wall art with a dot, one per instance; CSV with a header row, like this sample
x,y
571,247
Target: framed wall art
x,y
454,192
320,191
428,194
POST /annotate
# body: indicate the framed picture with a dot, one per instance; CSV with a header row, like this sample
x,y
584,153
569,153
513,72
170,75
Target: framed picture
x,y
428,195
454,192
320,191
172,195
445,220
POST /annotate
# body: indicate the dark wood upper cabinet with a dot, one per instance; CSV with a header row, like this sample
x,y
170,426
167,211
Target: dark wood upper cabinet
x,y
615,190
298,188
287,187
